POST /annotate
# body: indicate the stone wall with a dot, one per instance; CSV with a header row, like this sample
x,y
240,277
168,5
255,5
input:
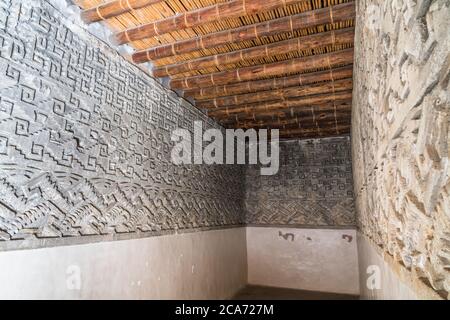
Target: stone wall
x,y
85,139
313,186
400,133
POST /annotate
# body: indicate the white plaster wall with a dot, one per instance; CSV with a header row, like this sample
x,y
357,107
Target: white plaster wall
x,y
199,265
317,259
392,282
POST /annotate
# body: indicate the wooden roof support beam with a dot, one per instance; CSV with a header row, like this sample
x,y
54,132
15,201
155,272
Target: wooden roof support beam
x,y
286,67
317,110
313,133
328,125
334,37
332,14
297,119
277,95
113,9
298,134
220,11
292,103
287,137
292,122
269,84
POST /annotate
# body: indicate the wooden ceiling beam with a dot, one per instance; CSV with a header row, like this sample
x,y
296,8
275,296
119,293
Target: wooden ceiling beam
x,y
292,103
296,119
328,15
317,110
272,116
189,19
113,9
279,68
303,133
328,125
269,84
313,128
335,37
277,95
312,133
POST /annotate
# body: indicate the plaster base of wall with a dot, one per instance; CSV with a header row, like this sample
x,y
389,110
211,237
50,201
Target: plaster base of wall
x,y
395,281
306,259
200,265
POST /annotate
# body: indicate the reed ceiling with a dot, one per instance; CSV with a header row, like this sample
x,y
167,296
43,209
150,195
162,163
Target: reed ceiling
x,y
283,64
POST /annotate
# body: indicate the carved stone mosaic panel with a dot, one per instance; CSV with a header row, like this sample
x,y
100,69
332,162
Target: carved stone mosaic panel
x,y
400,134
313,186
85,139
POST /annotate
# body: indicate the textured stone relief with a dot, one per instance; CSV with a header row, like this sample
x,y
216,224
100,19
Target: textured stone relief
x,y
400,133
85,139
313,186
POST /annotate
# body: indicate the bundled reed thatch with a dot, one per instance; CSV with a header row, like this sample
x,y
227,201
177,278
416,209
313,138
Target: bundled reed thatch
x,y
251,63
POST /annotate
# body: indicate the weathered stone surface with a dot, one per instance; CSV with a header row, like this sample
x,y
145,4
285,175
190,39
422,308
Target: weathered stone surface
x,y
400,133
313,186
85,139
